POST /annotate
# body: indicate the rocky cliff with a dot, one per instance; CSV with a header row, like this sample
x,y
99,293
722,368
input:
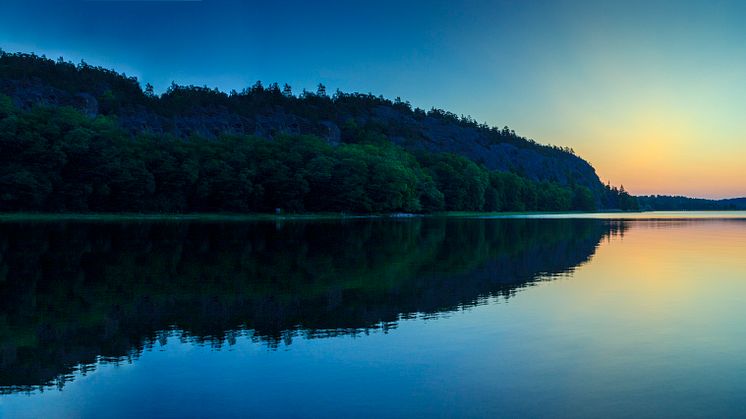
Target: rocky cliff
x,y
267,112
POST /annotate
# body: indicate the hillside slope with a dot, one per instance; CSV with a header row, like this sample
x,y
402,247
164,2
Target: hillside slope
x,y
266,112
445,161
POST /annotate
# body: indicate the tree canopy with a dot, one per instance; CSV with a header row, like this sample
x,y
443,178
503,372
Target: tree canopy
x,y
57,159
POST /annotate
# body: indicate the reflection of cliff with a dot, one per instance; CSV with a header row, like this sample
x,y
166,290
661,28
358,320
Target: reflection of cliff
x,y
73,292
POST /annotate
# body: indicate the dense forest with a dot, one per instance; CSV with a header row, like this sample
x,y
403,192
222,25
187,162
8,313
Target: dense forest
x,y
112,149
682,203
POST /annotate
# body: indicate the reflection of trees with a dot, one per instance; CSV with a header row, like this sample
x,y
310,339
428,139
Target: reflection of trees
x,y
77,293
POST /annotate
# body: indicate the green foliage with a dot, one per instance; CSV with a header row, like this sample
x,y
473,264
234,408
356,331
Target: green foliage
x,y
69,77
115,92
682,203
57,159
467,186
582,199
6,106
75,163
618,198
462,182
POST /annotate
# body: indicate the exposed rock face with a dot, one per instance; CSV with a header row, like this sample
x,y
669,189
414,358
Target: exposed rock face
x,y
205,122
27,93
414,133
537,164
213,121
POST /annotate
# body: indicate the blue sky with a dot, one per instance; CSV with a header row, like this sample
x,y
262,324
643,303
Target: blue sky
x,y
650,92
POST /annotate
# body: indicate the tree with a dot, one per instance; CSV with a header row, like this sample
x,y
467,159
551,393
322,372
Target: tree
x,y
23,190
57,159
583,199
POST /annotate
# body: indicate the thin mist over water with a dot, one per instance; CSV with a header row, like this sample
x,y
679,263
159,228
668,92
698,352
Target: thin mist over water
x,y
484,317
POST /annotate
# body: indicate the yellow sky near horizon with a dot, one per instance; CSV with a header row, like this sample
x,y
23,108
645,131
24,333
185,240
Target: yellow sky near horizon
x,y
658,115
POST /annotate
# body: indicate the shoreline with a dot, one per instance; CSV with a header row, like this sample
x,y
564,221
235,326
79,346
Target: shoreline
x,y
118,217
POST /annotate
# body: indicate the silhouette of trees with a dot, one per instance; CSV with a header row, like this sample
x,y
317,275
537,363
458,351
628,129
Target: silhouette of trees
x,y
57,159
618,198
682,203
121,92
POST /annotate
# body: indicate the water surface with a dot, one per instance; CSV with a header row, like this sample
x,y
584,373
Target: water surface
x,y
444,317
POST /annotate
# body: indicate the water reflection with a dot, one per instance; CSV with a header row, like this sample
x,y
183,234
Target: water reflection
x,y
76,294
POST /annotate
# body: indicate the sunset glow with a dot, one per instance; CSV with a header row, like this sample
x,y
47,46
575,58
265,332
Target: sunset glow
x,y
651,94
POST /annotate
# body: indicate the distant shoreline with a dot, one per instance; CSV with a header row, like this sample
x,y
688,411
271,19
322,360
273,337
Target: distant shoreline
x,y
115,217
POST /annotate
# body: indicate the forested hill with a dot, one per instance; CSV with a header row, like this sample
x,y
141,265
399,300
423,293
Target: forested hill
x,y
683,203
434,160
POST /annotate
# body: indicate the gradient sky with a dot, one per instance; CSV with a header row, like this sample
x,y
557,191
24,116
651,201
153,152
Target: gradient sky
x,y
652,93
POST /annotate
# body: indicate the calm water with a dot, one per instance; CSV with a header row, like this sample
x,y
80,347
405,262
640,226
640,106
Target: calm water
x,y
574,317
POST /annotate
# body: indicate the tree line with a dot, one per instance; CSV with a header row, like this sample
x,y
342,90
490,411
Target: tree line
x,y
57,159
116,91
682,203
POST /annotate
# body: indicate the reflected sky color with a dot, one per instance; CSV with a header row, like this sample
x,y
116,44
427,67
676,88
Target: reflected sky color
x,y
649,215
651,326
651,93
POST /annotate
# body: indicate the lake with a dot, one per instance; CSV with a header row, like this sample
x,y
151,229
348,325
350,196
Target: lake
x,y
606,315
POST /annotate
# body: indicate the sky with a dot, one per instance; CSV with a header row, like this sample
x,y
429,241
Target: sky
x,y
651,93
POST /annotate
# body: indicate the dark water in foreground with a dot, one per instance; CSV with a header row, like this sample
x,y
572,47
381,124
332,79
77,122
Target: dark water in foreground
x,y
374,318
